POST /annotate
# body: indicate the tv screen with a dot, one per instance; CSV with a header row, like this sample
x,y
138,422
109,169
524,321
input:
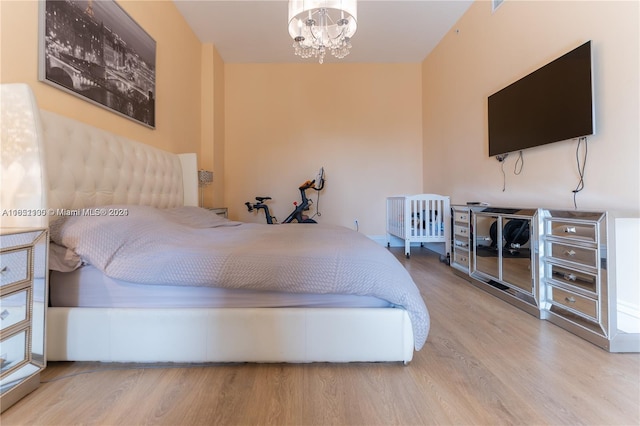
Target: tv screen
x,y
553,103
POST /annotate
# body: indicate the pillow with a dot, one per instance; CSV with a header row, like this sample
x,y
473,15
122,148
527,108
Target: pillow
x,y
63,259
196,217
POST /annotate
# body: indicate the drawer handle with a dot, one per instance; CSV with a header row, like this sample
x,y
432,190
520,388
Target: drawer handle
x,y
463,231
570,299
3,270
570,229
570,277
4,314
570,253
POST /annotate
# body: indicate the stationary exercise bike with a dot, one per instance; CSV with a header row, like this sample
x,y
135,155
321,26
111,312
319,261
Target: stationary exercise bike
x,y
297,215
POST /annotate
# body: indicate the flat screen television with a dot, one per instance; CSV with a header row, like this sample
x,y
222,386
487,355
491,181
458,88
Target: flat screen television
x,y
552,104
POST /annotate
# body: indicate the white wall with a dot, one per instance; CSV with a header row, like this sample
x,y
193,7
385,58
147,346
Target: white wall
x,y
628,271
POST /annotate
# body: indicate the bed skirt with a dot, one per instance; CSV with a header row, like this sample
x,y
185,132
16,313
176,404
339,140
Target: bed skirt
x,y
193,335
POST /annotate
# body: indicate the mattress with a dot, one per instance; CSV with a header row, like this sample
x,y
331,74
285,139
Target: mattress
x,y
88,287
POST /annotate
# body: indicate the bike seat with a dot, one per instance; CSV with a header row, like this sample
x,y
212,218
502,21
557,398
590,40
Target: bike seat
x,y
261,199
308,184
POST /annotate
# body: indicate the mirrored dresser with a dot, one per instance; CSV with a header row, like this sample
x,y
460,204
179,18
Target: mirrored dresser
x,y
23,304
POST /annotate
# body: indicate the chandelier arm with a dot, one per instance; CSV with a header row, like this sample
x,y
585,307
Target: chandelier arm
x,y
337,37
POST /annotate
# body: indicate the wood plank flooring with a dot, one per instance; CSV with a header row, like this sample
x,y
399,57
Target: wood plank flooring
x,y
485,362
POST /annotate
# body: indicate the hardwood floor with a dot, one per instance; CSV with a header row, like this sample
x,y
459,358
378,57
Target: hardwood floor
x,y
485,362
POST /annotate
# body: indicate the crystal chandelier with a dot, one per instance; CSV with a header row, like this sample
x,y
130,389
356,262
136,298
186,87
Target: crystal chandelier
x,y
318,26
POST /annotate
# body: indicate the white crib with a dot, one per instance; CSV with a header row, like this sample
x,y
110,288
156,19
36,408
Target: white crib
x,y
422,218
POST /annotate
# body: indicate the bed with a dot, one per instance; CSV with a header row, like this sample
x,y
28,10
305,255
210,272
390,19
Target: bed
x,y
119,175
421,218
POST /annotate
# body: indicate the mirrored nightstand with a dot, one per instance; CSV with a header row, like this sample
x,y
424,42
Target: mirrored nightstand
x,y
220,211
23,308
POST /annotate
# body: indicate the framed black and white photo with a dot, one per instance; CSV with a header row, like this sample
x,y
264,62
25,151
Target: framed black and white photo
x,y
94,50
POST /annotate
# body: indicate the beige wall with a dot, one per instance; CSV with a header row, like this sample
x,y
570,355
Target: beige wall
x,y
177,73
213,117
362,122
488,52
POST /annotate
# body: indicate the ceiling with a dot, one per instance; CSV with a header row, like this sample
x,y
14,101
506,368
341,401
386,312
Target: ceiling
x,y
256,31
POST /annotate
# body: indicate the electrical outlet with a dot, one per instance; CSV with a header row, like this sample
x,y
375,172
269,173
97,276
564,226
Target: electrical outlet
x,y
501,157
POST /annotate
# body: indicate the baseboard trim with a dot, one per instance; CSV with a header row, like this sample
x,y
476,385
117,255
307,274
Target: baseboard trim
x,y
628,317
625,342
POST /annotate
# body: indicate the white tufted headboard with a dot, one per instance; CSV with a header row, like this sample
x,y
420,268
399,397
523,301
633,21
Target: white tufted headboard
x,y
88,167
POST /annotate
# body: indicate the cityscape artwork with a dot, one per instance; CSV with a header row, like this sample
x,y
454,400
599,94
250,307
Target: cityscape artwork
x,y
93,49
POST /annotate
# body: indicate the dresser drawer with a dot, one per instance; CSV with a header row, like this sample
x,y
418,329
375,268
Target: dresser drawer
x,y
461,217
14,351
461,258
574,230
580,279
461,243
461,230
581,255
14,266
13,309
568,299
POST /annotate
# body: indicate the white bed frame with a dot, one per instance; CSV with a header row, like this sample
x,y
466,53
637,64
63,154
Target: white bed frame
x,y
422,218
101,168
